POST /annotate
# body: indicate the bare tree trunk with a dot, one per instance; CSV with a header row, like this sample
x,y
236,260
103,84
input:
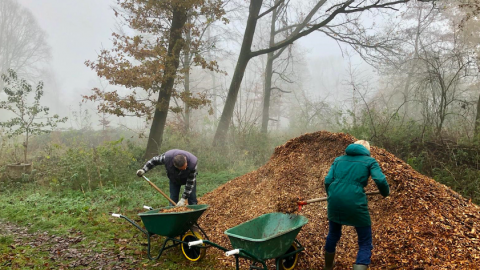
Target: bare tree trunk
x,y
477,121
212,74
173,58
243,59
186,66
268,76
443,106
214,87
26,149
267,92
406,90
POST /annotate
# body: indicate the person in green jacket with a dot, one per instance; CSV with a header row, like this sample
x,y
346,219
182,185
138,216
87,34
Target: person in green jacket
x,y
347,201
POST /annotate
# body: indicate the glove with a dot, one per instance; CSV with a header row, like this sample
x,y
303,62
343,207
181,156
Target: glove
x,y
140,173
181,202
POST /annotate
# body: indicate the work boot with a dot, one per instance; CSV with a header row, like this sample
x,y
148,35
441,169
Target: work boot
x,y
329,260
360,267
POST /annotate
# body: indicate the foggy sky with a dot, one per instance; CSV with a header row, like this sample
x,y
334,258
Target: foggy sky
x,y
77,30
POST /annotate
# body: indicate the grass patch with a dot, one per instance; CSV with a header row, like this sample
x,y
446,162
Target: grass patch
x,y
6,240
89,212
23,257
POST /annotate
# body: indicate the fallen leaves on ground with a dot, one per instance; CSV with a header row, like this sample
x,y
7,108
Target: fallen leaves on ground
x,y
66,252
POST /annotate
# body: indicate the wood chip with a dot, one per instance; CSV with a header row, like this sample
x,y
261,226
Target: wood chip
x,y
422,225
177,209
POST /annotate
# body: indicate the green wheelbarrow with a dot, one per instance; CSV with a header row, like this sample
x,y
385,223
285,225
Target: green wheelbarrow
x,y
270,236
180,228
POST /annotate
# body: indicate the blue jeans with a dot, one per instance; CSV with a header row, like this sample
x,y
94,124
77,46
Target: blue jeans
x,y
175,193
364,241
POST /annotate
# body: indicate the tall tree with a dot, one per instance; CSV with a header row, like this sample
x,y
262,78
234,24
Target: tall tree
x,y
470,28
198,41
430,64
269,68
23,44
400,61
149,59
346,8
280,28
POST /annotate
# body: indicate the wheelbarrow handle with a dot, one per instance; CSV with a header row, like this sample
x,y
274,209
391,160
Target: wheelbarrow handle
x,y
159,190
195,243
131,222
232,252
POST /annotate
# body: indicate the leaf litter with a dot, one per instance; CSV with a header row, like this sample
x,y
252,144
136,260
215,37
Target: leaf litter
x,y
63,252
421,225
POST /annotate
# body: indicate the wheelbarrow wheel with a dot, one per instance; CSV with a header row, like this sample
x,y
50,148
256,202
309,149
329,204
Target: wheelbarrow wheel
x,y
289,263
194,253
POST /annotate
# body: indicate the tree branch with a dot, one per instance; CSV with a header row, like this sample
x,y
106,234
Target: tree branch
x,y
299,34
271,9
287,28
341,10
281,90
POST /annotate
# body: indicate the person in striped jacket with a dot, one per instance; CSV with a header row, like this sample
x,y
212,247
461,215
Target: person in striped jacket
x,y
181,167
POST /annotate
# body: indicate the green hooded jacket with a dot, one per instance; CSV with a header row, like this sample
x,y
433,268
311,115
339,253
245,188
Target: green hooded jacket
x,y
345,182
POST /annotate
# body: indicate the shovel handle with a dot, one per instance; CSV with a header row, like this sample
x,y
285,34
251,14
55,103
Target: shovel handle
x,y
325,198
159,190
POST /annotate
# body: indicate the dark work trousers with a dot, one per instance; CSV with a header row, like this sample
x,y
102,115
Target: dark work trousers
x,y
175,193
364,241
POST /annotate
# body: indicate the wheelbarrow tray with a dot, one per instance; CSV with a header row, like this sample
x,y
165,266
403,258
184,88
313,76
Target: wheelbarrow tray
x,y
171,224
268,236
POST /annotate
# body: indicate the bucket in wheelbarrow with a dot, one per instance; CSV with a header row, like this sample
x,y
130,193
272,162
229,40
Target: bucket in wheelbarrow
x,y
171,224
268,236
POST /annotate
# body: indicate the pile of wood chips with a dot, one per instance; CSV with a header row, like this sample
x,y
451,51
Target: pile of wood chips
x,y
177,209
287,203
422,225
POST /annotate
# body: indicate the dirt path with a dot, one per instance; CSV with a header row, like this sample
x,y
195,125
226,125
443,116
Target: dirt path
x,y
63,251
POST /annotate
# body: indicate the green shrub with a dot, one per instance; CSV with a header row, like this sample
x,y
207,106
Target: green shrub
x,y
85,167
68,160
242,152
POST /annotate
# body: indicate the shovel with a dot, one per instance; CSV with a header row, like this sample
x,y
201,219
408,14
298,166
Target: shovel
x,y
159,190
302,203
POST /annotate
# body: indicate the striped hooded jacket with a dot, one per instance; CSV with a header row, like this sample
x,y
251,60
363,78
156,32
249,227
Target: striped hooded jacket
x,y
186,177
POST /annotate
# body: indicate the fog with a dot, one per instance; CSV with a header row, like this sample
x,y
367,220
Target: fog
x,y
77,31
